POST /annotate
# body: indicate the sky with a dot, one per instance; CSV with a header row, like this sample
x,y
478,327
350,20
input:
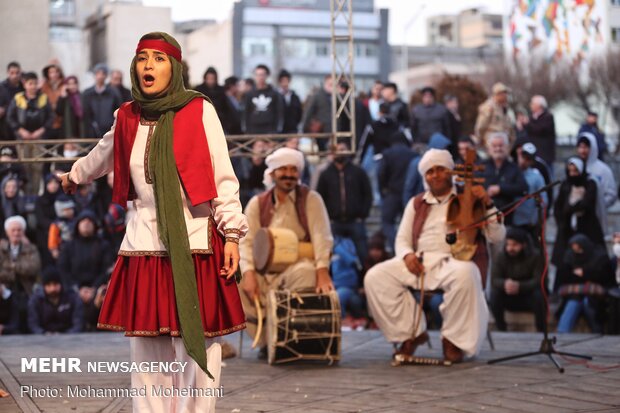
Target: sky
x,y
412,13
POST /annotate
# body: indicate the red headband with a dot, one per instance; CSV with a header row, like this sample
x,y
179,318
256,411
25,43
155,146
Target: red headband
x,y
161,46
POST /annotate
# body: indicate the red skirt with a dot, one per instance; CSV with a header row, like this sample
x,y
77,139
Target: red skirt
x,y
140,298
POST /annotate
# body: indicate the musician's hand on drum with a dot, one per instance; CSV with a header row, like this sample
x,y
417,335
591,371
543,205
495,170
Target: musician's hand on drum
x,y
231,259
249,284
413,264
480,194
69,187
323,281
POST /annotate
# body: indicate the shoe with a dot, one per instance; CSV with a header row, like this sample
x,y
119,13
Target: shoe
x,y
408,347
451,352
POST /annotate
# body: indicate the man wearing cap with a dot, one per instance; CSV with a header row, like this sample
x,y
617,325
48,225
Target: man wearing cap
x,y
494,116
526,215
421,248
287,204
100,102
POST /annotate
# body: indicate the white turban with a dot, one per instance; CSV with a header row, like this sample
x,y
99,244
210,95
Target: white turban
x,y
435,157
278,159
15,219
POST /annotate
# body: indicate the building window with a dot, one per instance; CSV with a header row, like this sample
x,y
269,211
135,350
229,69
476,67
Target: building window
x,y
254,46
62,12
615,2
615,34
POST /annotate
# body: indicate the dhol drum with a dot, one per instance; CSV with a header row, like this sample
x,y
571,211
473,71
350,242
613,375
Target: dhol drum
x,y
303,325
275,249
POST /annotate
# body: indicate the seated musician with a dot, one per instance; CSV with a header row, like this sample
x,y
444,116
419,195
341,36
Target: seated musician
x,y
288,204
422,233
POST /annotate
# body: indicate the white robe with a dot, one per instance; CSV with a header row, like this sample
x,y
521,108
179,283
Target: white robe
x,y
464,309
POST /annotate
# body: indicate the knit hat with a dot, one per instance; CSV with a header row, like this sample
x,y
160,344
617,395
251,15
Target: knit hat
x,y
63,202
517,234
50,275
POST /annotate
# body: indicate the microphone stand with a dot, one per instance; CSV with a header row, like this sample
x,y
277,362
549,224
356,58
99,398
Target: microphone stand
x,y
546,346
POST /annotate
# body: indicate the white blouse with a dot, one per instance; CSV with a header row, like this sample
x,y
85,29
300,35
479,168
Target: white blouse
x,y
141,237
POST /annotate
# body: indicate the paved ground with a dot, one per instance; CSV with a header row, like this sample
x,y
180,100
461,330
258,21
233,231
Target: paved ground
x,y
362,382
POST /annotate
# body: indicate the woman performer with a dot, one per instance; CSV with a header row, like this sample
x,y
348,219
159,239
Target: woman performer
x,y
172,289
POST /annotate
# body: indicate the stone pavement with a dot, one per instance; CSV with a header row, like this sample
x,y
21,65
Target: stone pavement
x,y
362,382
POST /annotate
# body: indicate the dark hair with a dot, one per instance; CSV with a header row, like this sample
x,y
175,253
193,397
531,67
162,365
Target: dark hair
x,y
466,139
211,70
250,81
29,76
344,84
447,98
391,85
46,71
13,64
428,89
384,108
284,73
264,67
230,81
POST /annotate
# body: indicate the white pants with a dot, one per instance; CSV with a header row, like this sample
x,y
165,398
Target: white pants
x,y
464,309
168,349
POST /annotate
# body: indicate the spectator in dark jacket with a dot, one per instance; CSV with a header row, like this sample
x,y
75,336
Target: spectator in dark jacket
x,y
292,104
71,110
429,117
116,81
231,88
11,201
582,278
515,279
362,115
214,91
30,116
8,154
398,109
8,89
54,310
86,259
591,126
575,209
540,128
391,176
264,106
46,214
99,103
503,180
9,312
345,189
379,133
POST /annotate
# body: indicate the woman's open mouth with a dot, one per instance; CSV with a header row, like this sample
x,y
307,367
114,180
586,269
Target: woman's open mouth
x,y
148,80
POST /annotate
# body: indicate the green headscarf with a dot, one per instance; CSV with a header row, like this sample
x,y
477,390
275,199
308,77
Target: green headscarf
x,y
169,204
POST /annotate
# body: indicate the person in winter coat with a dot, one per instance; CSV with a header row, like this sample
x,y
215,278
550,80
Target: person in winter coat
x,y
264,106
46,215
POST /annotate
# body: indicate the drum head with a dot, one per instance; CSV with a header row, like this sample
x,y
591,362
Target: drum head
x,y
262,250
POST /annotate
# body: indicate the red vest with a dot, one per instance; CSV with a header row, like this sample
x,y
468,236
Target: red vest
x,y
266,203
190,146
422,209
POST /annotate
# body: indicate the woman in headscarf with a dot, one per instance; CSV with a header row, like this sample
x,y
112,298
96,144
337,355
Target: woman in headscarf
x,y
582,278
70,108
575,209
173,284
